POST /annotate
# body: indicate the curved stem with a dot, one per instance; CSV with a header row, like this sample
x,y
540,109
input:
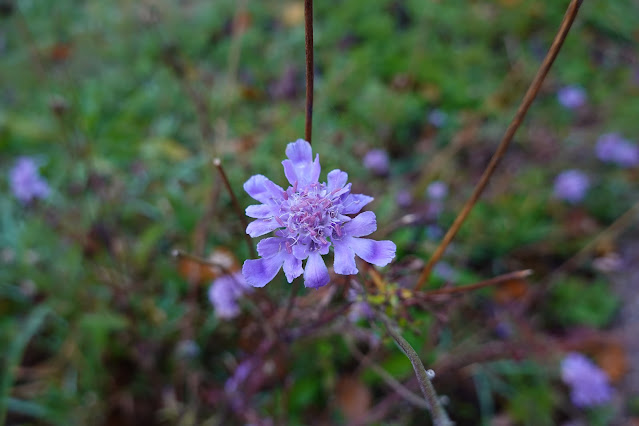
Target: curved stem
x,y
439,415
528,99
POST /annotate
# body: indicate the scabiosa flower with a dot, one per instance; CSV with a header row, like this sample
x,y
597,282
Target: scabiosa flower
x,y
26,182
437,190
225,292
613,148
404,198
437,118
571,186
308,218
376,160
588,383
571,97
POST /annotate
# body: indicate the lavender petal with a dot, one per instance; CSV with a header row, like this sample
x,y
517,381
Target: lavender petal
x,y
260,227
344,263
378,253
363,224
259,272
354,203
315,273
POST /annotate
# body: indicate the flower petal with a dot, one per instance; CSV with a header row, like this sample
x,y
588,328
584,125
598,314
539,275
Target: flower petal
x,y
261,226
315,273
299,152
270,247
363,224
336,179
259,272
262,189
344,262
353,203
292,267
259,211
301,250
300,166
378,253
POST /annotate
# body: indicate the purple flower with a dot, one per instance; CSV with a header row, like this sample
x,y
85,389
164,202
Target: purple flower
x,y
225,292
571,186
613,148
588,383
308,218
241,374
571,97
26,182
404,198
437,118
376,160
437,190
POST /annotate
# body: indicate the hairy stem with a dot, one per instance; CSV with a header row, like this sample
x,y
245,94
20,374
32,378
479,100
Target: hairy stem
x,y
439,415
528,99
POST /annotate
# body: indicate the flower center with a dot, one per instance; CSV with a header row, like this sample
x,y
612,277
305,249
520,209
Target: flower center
x,y
310,215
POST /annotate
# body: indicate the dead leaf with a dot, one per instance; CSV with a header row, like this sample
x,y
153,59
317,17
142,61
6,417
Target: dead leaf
x,y
511,291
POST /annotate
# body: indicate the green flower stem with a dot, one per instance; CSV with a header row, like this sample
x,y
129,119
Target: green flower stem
x,y
439,415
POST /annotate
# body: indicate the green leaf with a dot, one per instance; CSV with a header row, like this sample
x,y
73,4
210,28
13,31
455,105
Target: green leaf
x,y
14,355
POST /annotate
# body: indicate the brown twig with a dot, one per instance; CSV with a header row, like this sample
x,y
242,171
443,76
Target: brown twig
x,y
487,283
236,205
611,232
308,27
528,99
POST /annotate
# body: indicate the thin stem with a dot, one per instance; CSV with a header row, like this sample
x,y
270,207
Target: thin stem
x,y
439,415
492,281
611,232
236,205
528,99
308,27
397,386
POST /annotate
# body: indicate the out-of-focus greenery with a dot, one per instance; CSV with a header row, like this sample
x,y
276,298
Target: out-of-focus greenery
x,y
125,103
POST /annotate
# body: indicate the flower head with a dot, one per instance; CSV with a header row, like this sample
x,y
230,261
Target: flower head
x,y
437,117
26,182
571,186
376,160
225,292
613,148
588,383
308,218
571,97
437,190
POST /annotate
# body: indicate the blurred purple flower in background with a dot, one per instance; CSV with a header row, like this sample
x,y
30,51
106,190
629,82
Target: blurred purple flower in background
x,y
589,384
26,182
225,292
376,160
572,96
571,186
404,198
437,118
437,190
308,218
613,148
241,374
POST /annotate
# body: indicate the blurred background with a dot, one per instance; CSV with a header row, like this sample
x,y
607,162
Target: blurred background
x,y
110,114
